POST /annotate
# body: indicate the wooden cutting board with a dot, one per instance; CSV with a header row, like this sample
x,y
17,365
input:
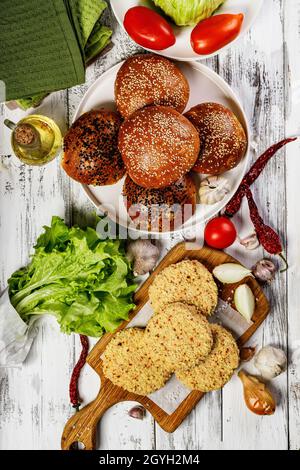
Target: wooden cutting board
x,y
81,428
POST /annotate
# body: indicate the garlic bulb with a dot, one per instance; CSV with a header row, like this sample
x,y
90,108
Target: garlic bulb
x,y
257,397
244,301
264,270
144,256
229,273
250,242
213,189
270,362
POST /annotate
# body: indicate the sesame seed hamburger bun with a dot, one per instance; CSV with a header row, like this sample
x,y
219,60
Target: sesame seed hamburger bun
x,y
127,364
148,79
158,146
217,368
91,154
223,139
178,336
162,209
186,281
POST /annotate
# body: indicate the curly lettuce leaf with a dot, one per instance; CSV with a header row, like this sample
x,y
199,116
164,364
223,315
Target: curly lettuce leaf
x,y
188,12
85,282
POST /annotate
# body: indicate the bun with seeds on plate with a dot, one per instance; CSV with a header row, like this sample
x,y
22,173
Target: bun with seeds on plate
x,y
223,139
158,146
149,79
91,154
160,209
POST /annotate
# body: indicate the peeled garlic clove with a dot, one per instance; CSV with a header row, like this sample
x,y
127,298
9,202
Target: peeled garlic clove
x,y
244,301
213,189
270,362
143,254
257,397
229,273
250,242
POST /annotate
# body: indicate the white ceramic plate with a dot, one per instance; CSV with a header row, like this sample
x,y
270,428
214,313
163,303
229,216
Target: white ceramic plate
x,y
205,85
182,49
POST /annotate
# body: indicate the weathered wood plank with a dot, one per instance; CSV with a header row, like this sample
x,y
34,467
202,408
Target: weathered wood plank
x,y
203,428
255,69
34,398
116,430
292,100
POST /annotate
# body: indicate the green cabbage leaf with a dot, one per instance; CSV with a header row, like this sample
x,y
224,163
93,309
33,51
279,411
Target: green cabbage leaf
x,y
188,12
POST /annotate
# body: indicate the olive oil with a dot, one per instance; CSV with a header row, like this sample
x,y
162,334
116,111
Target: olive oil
x,y
36,140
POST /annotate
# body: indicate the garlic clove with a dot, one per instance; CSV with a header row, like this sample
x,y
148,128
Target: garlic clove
x,y
247,353
229,273
264,270
257,397
244,301
270,362
213,189
137,412
250,242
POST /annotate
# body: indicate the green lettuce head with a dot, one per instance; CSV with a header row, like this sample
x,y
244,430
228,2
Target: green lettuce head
x,y
188,12
86,283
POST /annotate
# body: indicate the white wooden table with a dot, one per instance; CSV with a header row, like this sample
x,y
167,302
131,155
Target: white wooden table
x,y
264,70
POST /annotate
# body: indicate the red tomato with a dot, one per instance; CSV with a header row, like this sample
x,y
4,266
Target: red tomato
x,y
148,29
215,32
220,233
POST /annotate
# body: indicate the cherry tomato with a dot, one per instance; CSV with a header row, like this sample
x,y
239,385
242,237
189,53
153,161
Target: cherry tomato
x,y
215,32
220,233
148,29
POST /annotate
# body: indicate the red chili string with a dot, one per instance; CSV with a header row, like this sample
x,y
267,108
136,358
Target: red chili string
x,y
73,387
254,172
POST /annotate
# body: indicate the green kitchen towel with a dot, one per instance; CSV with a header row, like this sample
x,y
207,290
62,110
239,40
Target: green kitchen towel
x,y
85,14
97,41
39,51
65,35
92,36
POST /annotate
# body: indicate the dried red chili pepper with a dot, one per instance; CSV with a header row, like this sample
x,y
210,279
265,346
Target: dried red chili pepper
x,y
254,172
73,387
267,236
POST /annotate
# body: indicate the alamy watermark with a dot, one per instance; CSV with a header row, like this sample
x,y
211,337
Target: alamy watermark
x,y
157,219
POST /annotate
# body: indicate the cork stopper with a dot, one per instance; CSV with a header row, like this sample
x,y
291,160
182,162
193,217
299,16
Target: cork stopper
x,y
24,134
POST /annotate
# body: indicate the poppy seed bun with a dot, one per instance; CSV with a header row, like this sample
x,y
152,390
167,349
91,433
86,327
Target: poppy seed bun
x,y
127,364
187,281
160,209
91,154
223,139
178,336
217,369
158,146
148,79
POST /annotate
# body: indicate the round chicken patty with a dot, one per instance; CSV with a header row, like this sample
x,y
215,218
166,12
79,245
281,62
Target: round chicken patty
x,y
217,369
128,364
178,336
187,281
